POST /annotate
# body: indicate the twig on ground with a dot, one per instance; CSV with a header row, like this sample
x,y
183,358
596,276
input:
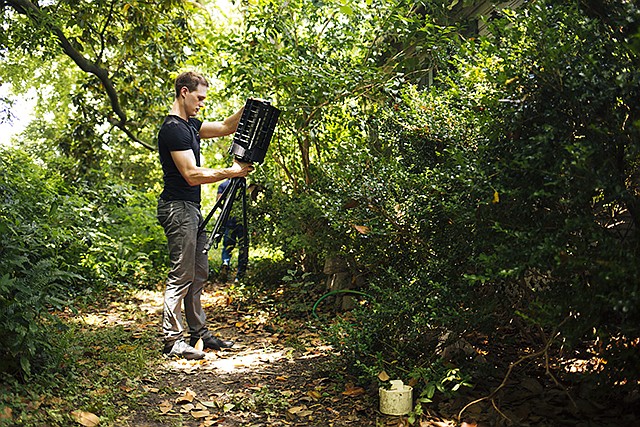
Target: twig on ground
x,y
544,351
493,402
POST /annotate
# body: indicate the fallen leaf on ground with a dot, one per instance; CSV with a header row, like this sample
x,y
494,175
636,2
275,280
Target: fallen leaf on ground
x,y
187,396
187,407
532,385
200,407
296,409
165,407
383,376
200,414
353,391
6,413
86,419
314,394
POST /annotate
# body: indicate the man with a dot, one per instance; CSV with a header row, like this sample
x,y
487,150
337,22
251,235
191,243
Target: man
x,y
234,233
180,216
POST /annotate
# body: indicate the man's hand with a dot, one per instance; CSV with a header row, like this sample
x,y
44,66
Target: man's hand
x,y
240,169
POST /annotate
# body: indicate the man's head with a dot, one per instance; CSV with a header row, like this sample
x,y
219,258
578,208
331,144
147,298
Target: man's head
x,y
191,80
191,90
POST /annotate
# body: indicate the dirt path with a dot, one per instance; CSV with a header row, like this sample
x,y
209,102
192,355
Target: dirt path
x,y
283,373
275,375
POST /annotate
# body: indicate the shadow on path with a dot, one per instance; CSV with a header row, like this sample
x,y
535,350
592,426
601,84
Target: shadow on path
x,y
275,375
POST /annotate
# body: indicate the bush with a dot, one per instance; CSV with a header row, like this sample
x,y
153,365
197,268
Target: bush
x,y
128,246
294,224
39,255
494,198
60,241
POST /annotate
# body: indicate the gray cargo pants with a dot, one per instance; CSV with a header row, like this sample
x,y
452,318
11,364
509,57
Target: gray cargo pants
x,y
189,269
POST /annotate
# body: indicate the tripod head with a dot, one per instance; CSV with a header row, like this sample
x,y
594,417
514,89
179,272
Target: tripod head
x,y
254,132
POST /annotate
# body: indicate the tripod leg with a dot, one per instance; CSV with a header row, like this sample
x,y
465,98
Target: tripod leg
x,y
218,231
218,203
243,247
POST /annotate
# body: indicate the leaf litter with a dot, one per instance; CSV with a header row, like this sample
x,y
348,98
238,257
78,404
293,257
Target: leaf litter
x,y
283,375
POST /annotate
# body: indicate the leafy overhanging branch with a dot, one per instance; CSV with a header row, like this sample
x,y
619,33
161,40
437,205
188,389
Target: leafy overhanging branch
x,y
38,17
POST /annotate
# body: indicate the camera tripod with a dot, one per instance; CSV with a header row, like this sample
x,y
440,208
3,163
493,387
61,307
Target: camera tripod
x,y
250,143
228,196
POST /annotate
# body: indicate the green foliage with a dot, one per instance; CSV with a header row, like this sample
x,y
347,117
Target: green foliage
x,y
326,65
505,194
563,161
99,371
318,61
295,225
488,205
128,245
438,378
39,255
59,242
137,46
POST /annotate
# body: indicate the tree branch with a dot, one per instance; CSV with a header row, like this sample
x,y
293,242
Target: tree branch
x,y
35,14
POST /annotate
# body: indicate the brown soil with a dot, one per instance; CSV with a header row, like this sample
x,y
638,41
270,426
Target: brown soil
x,y
285,374
275,375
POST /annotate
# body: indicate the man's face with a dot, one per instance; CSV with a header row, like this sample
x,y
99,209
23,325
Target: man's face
x,y
194,101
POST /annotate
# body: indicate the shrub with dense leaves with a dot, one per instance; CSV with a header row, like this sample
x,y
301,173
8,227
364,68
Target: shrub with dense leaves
x,y
39,256
60,241
505,200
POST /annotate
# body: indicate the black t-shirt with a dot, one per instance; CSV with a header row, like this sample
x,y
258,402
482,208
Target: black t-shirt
x,y
177,134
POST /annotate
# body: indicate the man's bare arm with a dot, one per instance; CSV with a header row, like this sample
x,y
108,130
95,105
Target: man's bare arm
x,y
221,128
195,175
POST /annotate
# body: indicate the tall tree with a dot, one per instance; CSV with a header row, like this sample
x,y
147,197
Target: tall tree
x,y
126,50
327,64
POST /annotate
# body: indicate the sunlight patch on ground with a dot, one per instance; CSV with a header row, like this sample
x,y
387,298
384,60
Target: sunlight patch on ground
x,y
98,319
143,308
151,302
247,361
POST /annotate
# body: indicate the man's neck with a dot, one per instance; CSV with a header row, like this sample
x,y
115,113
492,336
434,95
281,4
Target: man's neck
x,y
177,110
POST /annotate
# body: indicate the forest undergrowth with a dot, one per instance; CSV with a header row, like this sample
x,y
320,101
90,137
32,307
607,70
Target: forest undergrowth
x,y
281,371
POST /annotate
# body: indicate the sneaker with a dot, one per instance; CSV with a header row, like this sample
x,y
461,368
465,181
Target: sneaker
x,y
181,349
211,342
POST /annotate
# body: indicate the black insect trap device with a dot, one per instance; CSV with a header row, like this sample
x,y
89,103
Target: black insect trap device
x,y
250,143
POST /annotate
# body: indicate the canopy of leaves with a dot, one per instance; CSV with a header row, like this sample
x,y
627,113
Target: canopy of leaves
x,y
506,203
